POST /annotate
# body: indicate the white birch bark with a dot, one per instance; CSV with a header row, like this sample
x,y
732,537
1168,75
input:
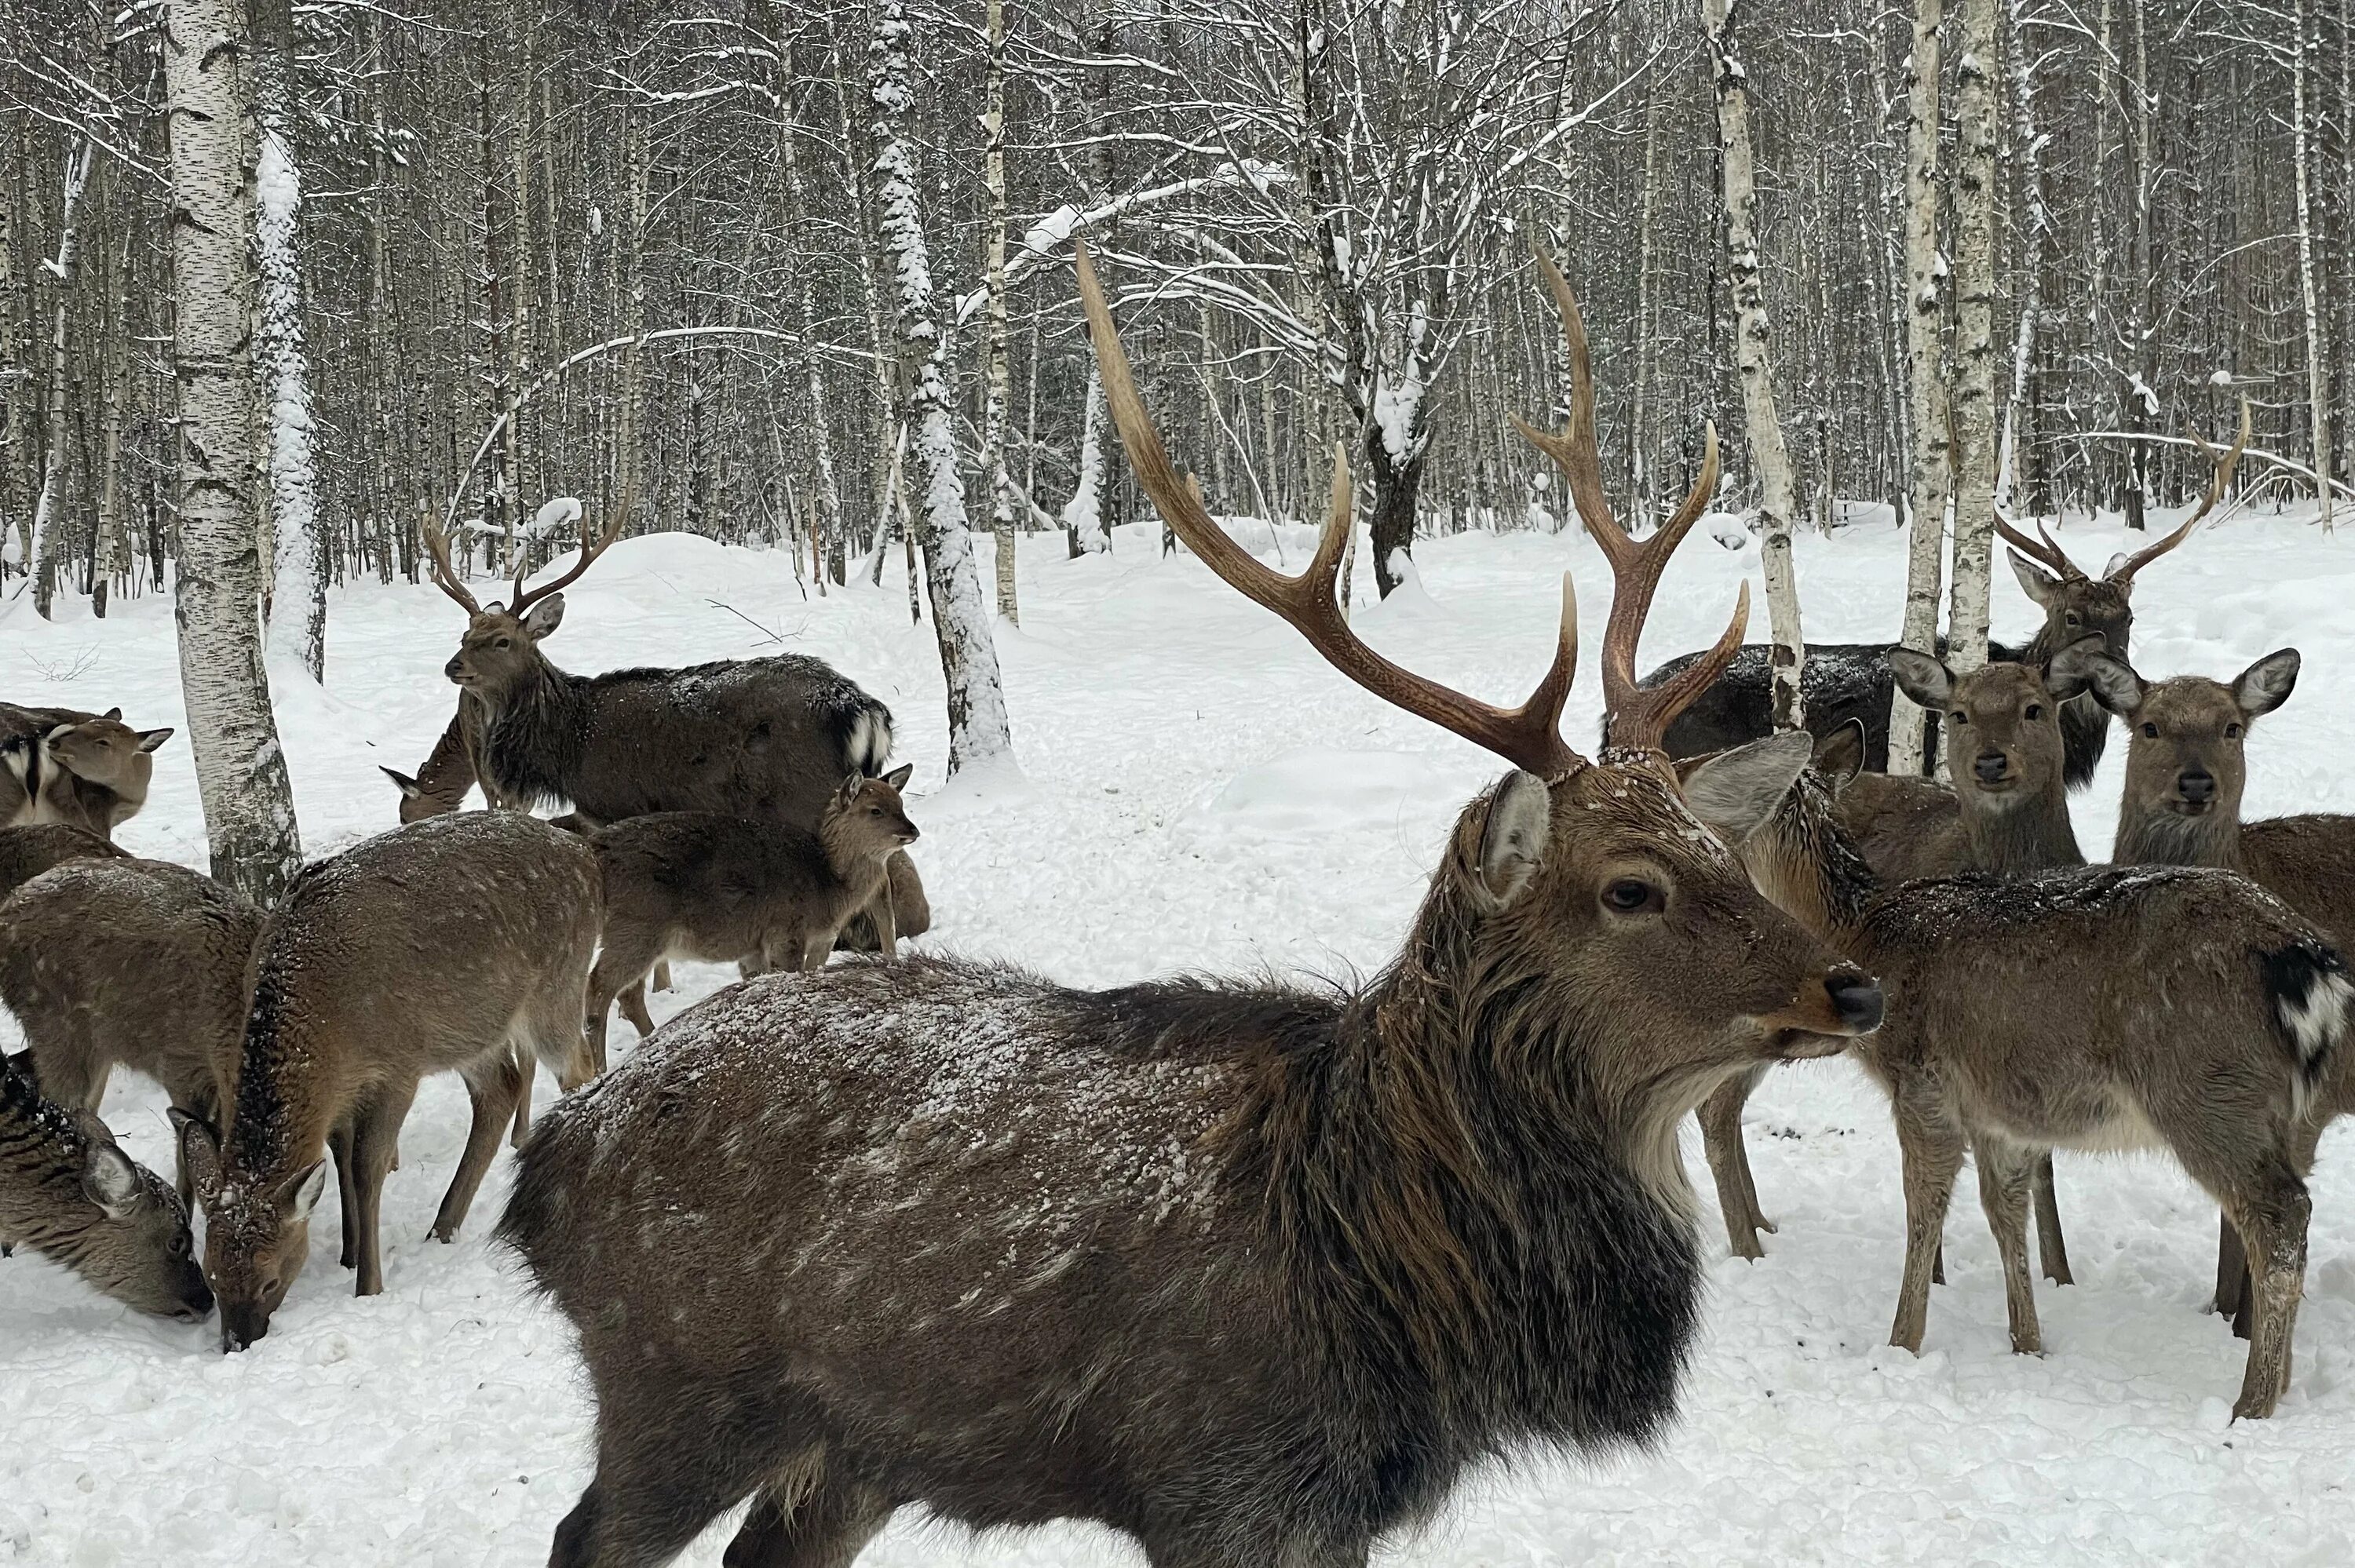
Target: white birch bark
x,y
1974,394
978,733
1763,428
999,394
240,771
1926,491
826,525
2034,223
43,561
2318,353
299,599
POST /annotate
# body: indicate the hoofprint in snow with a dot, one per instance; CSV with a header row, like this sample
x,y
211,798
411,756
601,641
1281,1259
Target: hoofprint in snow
x,y
1203,792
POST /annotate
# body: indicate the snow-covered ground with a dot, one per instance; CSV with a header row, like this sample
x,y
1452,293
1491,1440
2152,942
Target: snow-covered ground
x,y
1204,793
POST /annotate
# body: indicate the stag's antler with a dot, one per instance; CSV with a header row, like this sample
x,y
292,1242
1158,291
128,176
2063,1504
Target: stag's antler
x,y
2046,553
445,577
1528,737
521,599
2217,486
1634,715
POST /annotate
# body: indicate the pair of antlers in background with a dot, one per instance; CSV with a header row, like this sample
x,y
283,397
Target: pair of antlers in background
x,y
1529,736
521,599
2045,550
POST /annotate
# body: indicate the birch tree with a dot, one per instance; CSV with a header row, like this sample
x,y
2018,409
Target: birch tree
x,y
998,371
1974,394
1926,491
298,598
43,561
240,771
1763,428
2318,354
978,732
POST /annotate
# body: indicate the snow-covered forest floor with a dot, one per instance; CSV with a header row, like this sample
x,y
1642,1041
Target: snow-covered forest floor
x,y
1202,793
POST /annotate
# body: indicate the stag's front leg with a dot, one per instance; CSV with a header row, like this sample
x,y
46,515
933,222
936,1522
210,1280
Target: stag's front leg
x,y
1931,1144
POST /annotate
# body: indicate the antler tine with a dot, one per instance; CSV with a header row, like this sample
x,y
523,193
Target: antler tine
x,y
445,577
1639,720
2217,486
1528,737
1572,449
2047,553
523,598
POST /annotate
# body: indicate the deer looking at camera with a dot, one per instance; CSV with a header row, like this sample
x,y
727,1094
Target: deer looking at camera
x,y
744,737
2186,766
1851,681
1252,1271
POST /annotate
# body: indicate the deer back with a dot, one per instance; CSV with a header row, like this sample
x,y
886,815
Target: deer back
x,y
26,852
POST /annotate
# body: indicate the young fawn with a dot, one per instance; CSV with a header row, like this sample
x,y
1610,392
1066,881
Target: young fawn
x,y
761,894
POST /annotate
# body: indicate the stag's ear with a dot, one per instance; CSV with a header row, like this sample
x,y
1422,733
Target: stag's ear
x,y
199,1154
898,777
2267,683
544,617
2119,563
1839,755
2034,580
1922,678
1735,791
407,785
2069,672
149,740
112,1181
299,1193
1513,839
2111,680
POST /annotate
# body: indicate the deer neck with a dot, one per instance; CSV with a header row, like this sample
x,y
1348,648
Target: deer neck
x,y
2166,838
534,732
285,1092
1808,865
2021,836
856,862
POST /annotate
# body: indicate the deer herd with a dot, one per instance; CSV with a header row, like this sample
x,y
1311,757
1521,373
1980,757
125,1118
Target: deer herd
x,y
1252,1271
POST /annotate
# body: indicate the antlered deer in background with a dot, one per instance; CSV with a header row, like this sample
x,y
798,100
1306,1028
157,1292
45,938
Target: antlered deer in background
x,y
1851,681
60,764
2186,768
453,945
2100,1008
1252,1271
748,737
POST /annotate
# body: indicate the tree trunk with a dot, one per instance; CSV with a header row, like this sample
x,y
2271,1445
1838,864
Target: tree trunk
x,y
2318,354
240,771
46,505
825,516
299,599
978,733
1765,429
2018,452
1926,493
999,393
1974,397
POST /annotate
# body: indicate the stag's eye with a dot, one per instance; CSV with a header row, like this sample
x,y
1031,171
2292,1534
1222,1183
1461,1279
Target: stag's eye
x,y
2232,732
1630,895
503,642
1959,716
2072,618
2035,712
2150,730
180,1247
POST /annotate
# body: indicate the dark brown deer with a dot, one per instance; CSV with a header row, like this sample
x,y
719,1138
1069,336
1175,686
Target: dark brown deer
x,y
88,771
747,737
1252,1272
446,946
759,895
2022,1016
2007,814
1851,681
2186,768
26,852
68,1193
137,964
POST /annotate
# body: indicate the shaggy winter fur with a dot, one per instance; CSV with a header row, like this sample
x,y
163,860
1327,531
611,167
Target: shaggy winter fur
x,y
26,852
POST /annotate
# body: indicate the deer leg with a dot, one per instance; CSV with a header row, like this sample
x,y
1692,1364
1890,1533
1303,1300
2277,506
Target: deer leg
x,y
662,1475
2051,1249
1729,1162
492,1082
1932,1145
527,1066
376,1129
2270,1207
662,977
814,950
620,970
2007,1174
634,1008
807,1519
2232,1276
348,1190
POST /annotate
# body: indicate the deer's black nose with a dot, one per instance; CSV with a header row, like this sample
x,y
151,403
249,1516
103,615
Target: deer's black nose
x,y
1991,767
2198,786
1857,996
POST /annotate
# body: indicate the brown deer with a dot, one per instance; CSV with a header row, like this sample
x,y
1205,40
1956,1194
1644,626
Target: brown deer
x,y
26,852
89,770
1254,1272
444,946
1852,681
2007,814
747,737
2186,768
759,895
2022,1016
68,1193
132,962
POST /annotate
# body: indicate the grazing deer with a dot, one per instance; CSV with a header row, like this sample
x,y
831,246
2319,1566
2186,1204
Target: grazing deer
x,y
1252,1271
132,962
68,1193
2007,814
745,737
89,770
2023,1016
2186,770
445,946
1851,681
758,894
26,852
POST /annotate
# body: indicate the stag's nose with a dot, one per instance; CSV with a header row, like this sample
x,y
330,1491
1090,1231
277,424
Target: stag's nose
x,y
2198,786
1992,766
1858,998
453,669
